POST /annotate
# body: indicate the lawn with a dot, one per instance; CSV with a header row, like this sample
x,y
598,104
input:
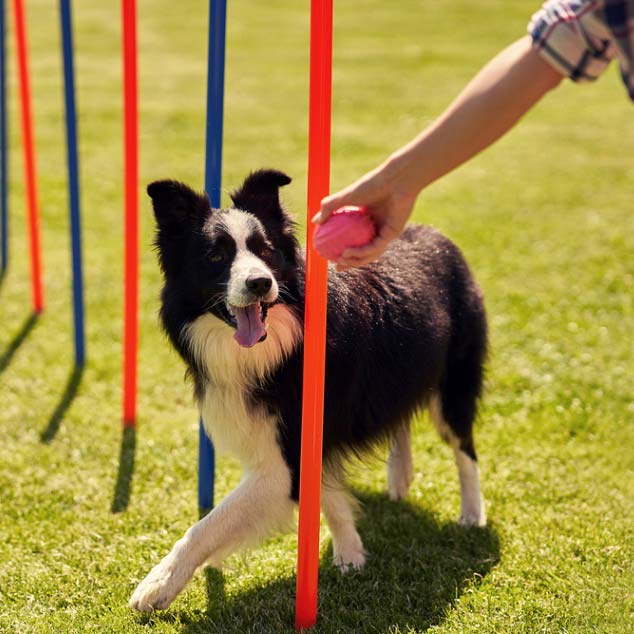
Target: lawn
x,y
545,219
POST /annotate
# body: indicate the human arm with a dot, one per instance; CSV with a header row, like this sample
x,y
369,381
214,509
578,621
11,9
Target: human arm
x,y
495,99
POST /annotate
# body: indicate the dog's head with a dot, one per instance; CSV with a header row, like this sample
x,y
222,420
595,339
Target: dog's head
x,y
233,263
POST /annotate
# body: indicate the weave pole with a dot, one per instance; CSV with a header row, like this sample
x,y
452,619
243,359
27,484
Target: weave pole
x,y
213,178
28,139
4,215
131,240
73,179
314,317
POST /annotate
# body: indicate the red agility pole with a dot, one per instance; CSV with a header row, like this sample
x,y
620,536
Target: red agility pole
x,y
131,174
315,316
29,156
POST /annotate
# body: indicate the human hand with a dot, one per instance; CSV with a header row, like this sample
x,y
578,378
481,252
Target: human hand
x,y
389,202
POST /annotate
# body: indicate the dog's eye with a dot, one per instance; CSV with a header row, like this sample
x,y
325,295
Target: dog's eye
x,y
279,257
217,257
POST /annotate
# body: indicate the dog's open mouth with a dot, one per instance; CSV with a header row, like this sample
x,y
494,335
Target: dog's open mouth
x,y
249,323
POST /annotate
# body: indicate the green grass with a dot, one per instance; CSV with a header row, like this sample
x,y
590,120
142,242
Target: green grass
x,y
544,218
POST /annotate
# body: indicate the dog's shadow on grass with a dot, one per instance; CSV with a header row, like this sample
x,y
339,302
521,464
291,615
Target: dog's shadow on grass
x,y
416,571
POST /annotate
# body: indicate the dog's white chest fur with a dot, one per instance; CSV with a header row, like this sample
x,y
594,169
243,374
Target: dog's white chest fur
x,y
233,423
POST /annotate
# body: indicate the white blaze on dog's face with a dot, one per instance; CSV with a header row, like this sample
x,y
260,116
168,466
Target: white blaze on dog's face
x,y
251,284
231,264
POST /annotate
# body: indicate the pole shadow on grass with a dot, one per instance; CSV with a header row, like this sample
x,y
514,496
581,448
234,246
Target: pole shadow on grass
x,y
72,385
17,341
122,488
417,570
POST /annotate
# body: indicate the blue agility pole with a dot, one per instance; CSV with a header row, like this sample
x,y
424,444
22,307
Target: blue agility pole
x,y
4,216
73,179
206,470
215,98
213,177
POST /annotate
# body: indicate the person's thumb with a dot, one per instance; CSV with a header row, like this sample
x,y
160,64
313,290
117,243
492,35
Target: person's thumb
x,y
328,205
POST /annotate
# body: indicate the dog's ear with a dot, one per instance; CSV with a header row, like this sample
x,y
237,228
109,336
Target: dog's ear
x,y
259,195
176,205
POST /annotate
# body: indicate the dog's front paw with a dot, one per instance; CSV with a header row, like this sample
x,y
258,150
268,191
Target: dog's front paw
x,y
350,555
160,587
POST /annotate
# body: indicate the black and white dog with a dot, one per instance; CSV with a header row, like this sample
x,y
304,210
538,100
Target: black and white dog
x,y
404,333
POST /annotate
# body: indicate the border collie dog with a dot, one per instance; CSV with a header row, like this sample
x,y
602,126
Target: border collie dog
x,y
405,333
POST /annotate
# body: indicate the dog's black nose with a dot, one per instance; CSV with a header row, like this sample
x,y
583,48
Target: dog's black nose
x,y
259,285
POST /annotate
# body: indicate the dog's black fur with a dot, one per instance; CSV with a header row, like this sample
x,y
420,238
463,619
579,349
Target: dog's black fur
x,y
399,330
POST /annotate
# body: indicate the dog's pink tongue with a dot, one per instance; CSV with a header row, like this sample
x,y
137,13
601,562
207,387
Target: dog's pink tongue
x,y
250,327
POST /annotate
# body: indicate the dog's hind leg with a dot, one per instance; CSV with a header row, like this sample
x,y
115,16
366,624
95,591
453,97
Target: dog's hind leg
x,y
340,508
399,463
260,504
472,511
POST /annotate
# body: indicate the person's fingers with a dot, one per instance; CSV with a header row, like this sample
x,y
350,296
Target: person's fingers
x,y
352,263
360,256
348,262
372,250
351,257
345,265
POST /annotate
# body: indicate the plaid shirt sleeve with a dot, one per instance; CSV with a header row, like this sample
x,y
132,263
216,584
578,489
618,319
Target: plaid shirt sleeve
x,y
580,38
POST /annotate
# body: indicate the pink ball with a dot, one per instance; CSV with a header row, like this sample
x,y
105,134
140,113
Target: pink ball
x,y
346,227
